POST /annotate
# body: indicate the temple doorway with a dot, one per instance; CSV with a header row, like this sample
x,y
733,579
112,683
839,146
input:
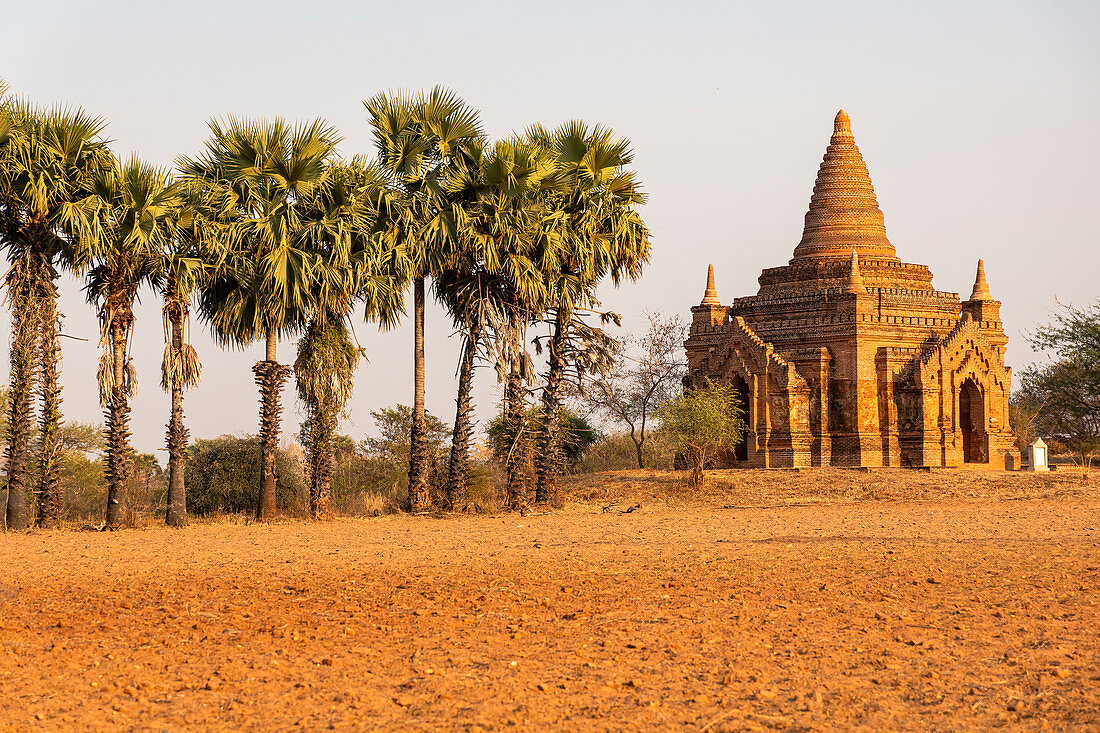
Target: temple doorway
x,y
972,422
741,390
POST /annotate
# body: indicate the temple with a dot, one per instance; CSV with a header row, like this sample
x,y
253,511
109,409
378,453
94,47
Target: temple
x,y
848,356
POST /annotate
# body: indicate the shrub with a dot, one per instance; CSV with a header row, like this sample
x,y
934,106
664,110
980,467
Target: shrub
x,y
705,420
223,475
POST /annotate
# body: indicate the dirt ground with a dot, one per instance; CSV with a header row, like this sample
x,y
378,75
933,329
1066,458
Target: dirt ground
x,y
829,601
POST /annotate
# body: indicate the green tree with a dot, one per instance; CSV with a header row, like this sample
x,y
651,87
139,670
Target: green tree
x,y
394,425
260,177
220,477
422,141
180,368
1066,390
48,160
577,436
707,419
489,276
591,230
351,264
136,222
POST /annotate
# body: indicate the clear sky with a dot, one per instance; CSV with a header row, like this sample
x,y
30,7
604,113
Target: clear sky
x,y
979,122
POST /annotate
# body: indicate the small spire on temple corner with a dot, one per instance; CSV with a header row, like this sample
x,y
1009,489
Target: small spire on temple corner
x,y
981,287
710,295
855,280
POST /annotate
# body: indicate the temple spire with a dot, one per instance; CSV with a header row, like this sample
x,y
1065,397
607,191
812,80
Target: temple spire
x,y
710,296
981,287
844,212
855,280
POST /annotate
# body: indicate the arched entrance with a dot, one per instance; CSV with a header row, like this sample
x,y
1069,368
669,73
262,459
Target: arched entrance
x,y
972,422
741,389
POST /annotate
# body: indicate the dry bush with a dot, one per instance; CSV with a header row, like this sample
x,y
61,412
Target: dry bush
x,y
617,453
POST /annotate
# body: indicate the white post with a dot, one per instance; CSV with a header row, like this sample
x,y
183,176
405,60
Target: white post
x,y
1037,456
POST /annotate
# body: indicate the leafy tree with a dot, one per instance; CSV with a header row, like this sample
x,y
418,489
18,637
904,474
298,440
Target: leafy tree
x,y
591,230
422,142
394,425
1067,390
325,368
388,453
81,437
135,223
646,375
259,178
704,421
220,471
490,277
350,264
48,159
578,436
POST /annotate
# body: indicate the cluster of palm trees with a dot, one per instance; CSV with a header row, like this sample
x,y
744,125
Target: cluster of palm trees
x,y
269,233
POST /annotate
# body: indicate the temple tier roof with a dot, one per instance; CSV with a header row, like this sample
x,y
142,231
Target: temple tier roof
x,y
844,214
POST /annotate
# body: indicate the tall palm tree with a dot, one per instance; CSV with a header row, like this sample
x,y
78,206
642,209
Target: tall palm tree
x,y
48,159
421,142
137,222
591,230
180,368
491,269
350,263
260,178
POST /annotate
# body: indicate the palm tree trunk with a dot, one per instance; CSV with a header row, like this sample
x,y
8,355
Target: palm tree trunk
x,y
20,393
550,453
270,376
458,469
419,460
49,459
322,460
118,431
514,427
176,515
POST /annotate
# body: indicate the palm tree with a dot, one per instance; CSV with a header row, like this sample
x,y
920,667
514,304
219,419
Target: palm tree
x,y
421,141
180,368
491,269
137,222
257,175
351,263
591,230
48,159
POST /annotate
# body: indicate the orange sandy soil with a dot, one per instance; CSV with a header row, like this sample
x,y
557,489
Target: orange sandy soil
x,y
721,613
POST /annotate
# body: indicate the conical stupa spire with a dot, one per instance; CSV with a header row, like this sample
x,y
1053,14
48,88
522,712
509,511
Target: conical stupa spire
x,y
844,212
710,295
981,287
855,280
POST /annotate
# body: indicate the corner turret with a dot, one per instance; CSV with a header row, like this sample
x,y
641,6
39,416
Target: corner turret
x,y
710,312
981,307
855,280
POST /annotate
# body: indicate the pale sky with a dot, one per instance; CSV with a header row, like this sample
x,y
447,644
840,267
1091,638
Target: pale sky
x,y
979,122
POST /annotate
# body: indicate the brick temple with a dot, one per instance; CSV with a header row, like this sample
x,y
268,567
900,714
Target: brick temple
x,y
848,356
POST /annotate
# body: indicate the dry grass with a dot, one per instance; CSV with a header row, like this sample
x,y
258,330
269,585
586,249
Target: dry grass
x,y
785,487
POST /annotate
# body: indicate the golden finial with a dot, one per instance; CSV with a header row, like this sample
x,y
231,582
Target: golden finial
x,y
981,287
710,296
841,124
